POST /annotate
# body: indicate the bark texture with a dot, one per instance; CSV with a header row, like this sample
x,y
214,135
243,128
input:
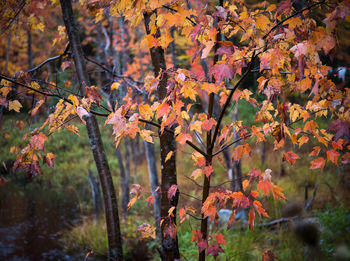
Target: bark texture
x,y
170,248
109,196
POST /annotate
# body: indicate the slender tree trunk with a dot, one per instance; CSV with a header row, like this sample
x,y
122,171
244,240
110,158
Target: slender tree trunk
x,y
170,248
124,180
153,177
109,196
134,158
236,166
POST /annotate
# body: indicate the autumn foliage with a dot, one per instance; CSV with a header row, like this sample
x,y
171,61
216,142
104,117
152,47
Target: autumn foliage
x,y
278,46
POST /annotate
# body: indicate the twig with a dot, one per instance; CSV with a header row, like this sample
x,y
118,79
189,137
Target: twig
x,y
50,59
172,9
228,100
14,18
291,16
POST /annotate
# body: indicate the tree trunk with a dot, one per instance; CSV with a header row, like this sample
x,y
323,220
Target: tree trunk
x,y
109,196
170,248
153,177
236,166
95,191
124,180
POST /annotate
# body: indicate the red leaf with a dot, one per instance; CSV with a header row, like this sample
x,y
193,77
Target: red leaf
x,y
220,239
172,191
202,245
48,159
265,186
341,128
346,158
221,71
315,152
214,250
92,94
150,200
318,163
38,140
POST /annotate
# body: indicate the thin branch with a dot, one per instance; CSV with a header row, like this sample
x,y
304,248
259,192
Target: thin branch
x,y
15,16
172,9
291,16
190,196
47,94
228,100
195,182
50,60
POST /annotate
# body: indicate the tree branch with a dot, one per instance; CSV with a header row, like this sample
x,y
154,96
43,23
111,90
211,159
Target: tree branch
x,y
228,100
291,16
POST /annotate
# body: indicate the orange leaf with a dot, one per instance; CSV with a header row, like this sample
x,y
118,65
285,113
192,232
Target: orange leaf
x,y
220,239
315,152
333,155
318,163
208,124
162,110
183,137
290,157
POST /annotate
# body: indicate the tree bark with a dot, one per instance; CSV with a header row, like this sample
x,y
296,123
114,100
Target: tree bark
x,y
236,165
170,248
153,177
109,196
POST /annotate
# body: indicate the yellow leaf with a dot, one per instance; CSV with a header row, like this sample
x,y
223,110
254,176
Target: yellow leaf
x,y
74,100
168,156
262,22
15,105
146,135
67,84
185,115
171,210
35,85
115,86
5,91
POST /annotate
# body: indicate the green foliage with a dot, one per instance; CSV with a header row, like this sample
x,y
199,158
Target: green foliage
x,y
335,223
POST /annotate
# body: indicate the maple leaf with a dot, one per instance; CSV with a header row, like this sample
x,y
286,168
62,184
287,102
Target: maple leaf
x,y
136,190
214,250
315,152
115,86
92,94
290,157
265,186
333,156
302,140
20,125
15,105
146,135
118,122
341,128
172,191
318,163
221,71
202,245
163,109
183,137
37,141
208,124
48,159
220,239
